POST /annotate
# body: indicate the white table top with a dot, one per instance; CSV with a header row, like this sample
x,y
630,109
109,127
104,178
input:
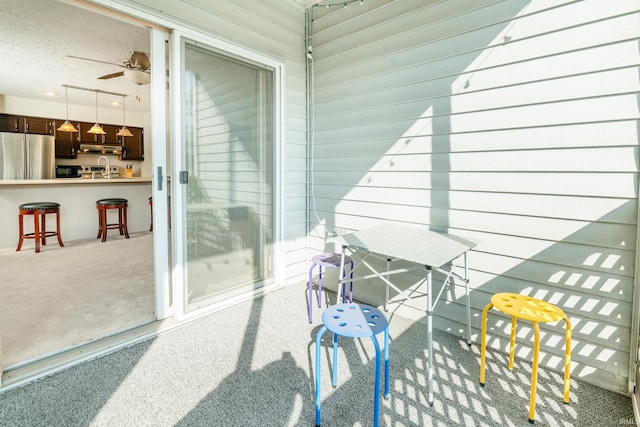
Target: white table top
x,y
417,245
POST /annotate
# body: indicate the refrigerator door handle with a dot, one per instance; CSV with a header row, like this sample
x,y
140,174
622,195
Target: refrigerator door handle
x,y
27,157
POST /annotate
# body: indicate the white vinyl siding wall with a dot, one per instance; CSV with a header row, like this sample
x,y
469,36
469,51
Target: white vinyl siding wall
x,y
272,28
513,123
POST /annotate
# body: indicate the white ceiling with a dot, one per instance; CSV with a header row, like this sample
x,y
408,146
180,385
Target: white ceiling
x,y
37,35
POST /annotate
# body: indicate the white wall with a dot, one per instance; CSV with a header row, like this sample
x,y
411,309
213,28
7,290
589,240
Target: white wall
x,y
512,123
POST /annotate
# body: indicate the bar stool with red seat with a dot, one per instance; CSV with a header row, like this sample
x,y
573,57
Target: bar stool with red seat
x,y
103,205
39,210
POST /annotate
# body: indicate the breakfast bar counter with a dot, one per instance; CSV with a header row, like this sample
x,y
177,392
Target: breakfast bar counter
x,y
74,181
77,198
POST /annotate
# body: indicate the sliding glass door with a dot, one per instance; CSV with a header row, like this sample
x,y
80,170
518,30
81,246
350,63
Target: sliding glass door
x,y
227,175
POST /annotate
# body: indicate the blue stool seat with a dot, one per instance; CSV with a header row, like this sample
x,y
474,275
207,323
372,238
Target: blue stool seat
x,y
355,321
327,260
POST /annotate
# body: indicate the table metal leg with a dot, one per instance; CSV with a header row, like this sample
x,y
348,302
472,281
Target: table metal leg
x,y
342,282
429,337
386,289
468,298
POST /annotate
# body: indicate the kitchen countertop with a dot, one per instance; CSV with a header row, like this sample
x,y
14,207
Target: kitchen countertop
x,y
76,181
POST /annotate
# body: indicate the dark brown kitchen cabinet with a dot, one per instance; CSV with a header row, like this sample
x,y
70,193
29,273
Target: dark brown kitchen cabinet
x,y
133,146
9,123
66,142
110,137
84,137
36,125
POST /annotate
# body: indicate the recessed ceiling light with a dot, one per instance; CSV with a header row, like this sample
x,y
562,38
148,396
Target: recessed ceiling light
x,y
51,94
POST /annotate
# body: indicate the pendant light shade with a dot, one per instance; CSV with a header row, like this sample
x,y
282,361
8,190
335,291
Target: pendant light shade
x,y
124,131
67,126
96,129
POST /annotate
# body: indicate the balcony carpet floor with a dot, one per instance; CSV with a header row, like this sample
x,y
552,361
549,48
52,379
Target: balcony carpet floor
x,y
253,365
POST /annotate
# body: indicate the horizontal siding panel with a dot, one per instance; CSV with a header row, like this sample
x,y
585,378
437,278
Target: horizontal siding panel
x,y
441,117
611,159
615,236
601,134
574,87
621,54
490,86
593,259
590,288
456,30
565,278
623,185
364,61
578,208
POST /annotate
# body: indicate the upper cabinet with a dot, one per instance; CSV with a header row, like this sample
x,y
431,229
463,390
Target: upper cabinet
x,y
110,137
25,124
133,146
36,125
66,142
9,123
87,138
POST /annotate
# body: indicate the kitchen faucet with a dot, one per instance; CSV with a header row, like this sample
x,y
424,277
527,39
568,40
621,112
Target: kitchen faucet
x,y
107,172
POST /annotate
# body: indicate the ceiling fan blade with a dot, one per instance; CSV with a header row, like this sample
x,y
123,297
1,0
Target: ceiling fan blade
x,y
112,75
95,60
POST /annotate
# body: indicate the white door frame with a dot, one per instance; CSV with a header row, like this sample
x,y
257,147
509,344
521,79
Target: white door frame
x,y
179,277
160,183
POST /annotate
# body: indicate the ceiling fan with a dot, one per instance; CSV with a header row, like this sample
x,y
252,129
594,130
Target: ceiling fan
x,y
137,68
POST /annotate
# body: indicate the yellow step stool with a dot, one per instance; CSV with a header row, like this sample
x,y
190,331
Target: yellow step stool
x,y
535,311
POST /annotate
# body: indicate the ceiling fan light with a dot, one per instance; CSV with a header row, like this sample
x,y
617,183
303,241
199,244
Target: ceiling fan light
x,y
96,129
67,127
124,132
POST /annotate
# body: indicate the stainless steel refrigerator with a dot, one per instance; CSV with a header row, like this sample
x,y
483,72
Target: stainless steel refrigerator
x,y
27,156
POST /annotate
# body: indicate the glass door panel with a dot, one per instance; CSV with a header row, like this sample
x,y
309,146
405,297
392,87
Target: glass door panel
x,y
228,147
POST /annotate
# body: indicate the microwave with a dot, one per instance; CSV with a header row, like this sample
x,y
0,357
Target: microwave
x,y
68,171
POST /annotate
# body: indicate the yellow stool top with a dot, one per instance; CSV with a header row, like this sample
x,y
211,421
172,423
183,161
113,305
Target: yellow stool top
x,y
527,308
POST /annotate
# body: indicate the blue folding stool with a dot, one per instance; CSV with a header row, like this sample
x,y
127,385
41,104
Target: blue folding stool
x,y
355,321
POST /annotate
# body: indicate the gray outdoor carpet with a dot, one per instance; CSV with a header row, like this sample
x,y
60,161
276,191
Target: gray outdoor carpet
x,y
253,365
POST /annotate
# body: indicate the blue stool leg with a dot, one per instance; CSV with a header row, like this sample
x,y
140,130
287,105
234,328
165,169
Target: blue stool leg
x,y
376,386
334,377
351,284
318,339
386,362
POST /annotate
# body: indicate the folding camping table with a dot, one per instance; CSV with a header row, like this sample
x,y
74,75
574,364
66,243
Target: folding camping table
x,y
429,250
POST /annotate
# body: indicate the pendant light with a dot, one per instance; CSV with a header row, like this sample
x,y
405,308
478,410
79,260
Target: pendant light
x,y
67,126
124,131
96,129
